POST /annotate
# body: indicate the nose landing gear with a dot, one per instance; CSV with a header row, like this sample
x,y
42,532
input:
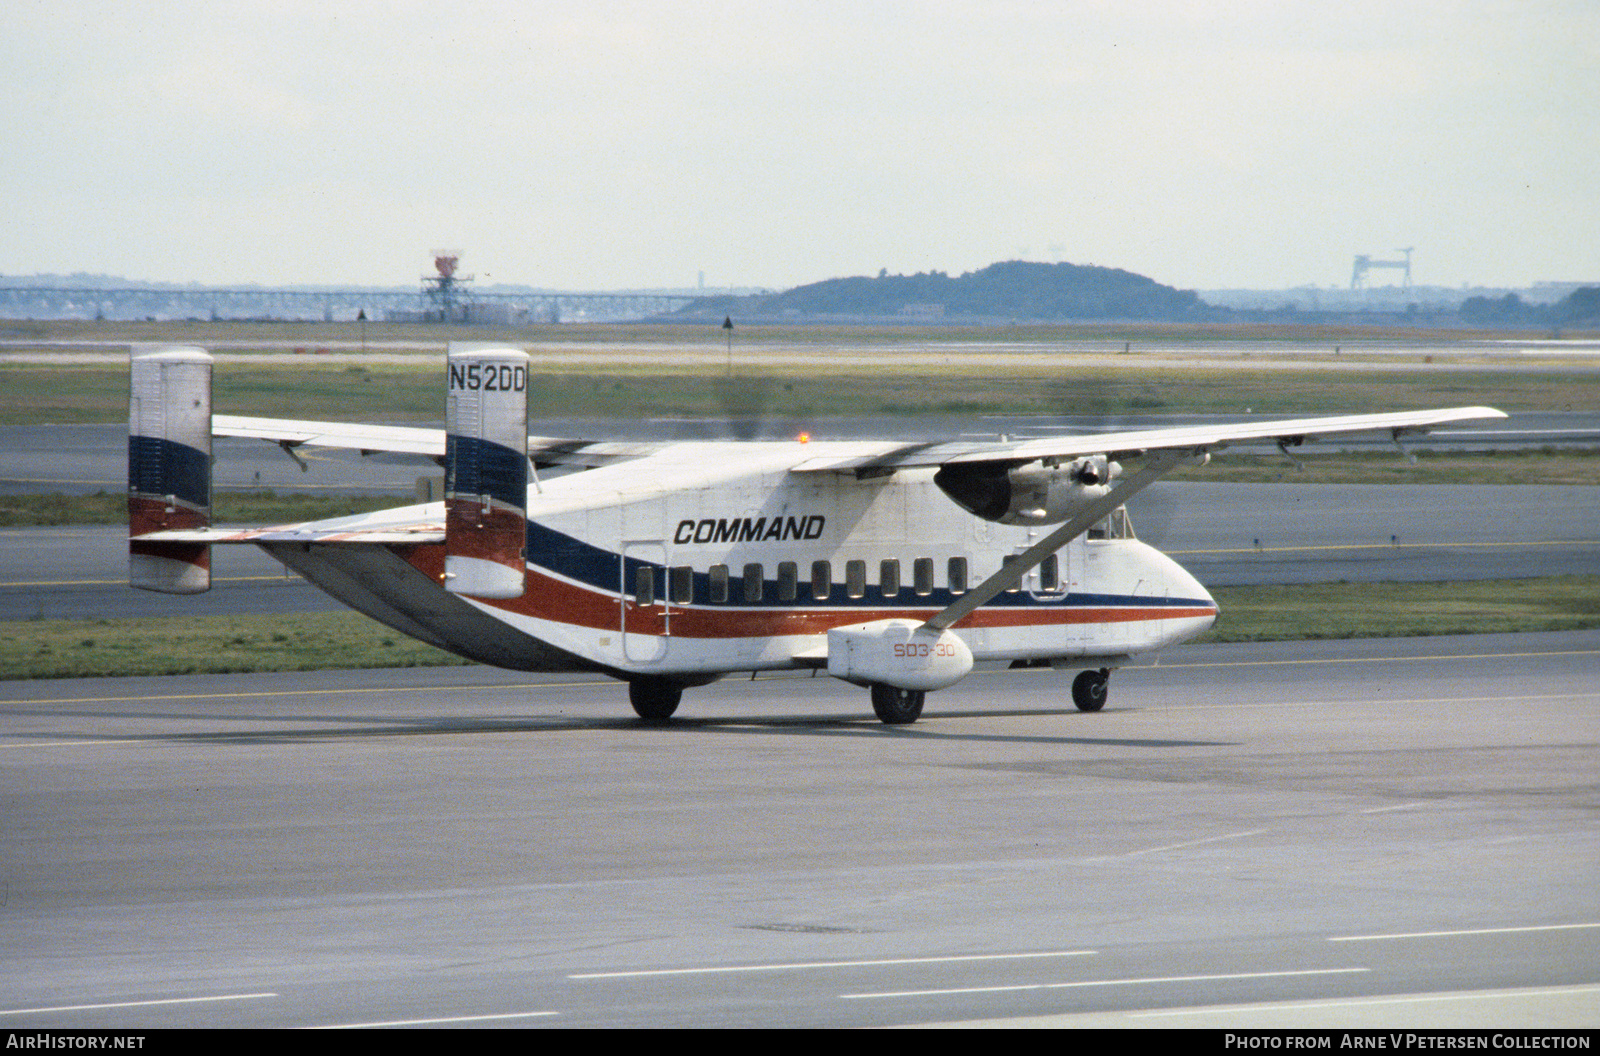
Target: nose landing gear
x,y
1089,689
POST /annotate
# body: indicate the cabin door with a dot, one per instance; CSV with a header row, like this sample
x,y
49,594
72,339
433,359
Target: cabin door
x,y
642,600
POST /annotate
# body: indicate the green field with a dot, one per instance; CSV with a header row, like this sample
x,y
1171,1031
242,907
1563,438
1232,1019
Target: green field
x,y
806,372
400,392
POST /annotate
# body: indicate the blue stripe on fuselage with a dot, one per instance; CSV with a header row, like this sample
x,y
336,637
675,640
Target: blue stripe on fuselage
x,y
593,566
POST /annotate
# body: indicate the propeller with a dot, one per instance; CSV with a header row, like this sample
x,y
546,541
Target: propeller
x,y
1097,405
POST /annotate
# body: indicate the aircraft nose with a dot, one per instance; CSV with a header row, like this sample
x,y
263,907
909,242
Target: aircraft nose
x,y
1182,585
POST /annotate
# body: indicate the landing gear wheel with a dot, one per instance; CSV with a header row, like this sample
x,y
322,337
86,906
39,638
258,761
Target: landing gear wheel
x,y
654,699
1089,690
896,707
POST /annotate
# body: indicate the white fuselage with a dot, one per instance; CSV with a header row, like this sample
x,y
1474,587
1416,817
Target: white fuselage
x,y
706,558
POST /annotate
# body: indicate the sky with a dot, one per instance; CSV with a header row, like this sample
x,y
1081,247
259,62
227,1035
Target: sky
x,y
603,145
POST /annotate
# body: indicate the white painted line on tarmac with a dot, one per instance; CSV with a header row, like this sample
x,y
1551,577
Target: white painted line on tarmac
x,y
1464,931
804,965
429,1022
1362,1002
136,1004
1382,659
1147,981
1181,846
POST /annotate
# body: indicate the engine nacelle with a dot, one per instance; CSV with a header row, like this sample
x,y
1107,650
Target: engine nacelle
x,y
1034,493
899,653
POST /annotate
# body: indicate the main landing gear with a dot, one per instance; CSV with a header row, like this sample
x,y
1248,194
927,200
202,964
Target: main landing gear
x,y
1089,689
896,707
655,699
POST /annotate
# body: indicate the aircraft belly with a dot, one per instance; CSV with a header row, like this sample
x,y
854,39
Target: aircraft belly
x,y
379,582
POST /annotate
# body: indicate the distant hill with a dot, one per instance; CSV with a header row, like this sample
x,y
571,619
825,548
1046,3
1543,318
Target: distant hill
x,y
1012,289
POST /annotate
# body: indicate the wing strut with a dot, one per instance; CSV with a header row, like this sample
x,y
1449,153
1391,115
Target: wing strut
x,y
1156,465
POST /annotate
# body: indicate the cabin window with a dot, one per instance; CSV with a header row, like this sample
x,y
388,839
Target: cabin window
x,y
1115,526
922,576
889,577
1050,574
681,585
644,585
788,580
719,582
821,580
1010,560
958,575
855,578
753,582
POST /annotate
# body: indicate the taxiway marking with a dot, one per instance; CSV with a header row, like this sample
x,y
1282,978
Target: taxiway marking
x,y
1463,931
136,1004
1181,846
1387,546
804,965
1145,981
429,1022
1357,1002
282,578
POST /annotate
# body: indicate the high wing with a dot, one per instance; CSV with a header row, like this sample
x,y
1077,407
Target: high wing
x,y
400,439
1194,438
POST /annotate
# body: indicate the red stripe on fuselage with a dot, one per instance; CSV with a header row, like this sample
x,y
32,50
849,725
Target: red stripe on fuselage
x,y
560,601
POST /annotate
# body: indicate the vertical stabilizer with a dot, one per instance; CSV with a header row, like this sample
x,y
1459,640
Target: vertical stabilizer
x,y
486,471
169,467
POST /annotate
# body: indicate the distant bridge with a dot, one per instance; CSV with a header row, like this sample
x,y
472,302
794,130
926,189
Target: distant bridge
x,y
204,302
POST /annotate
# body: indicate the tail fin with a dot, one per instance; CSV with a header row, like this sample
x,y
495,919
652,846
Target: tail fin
x,y
169,467
486,471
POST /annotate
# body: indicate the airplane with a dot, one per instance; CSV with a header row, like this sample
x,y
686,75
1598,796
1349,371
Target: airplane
x,y
892,566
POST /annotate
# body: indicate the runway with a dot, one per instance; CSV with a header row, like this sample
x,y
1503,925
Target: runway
x,y
1382,832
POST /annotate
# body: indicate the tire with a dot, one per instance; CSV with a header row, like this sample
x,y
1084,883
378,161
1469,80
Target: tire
x,y
1089,690
654,699
896,707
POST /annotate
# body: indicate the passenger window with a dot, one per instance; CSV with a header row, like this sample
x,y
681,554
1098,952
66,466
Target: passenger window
x,y
644,585
682,585
855,578
821,580
1050,574
752,582
958,575
788,580
719,582
889,577
922,576
1010,560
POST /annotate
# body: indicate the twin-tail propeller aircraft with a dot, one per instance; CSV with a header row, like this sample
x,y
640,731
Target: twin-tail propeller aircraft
x,y
892,566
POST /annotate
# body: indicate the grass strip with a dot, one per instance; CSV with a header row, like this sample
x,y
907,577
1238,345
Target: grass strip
x,y
1400,610
797,388
218,644
187,645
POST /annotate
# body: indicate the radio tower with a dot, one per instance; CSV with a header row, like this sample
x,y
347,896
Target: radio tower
x,y
443,290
